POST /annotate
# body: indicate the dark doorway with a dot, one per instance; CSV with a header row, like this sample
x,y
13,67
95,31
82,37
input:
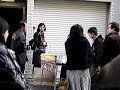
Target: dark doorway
x,y
13,16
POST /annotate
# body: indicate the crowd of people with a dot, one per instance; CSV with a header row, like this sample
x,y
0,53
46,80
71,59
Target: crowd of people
x,y
13,60
87,66
85,63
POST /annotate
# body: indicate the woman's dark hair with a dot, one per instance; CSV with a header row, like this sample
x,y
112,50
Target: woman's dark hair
x,y
76,31
4,26
115,25
38,29
92,30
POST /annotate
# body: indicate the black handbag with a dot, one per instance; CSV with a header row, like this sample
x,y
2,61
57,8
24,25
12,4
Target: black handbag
x,y
40,49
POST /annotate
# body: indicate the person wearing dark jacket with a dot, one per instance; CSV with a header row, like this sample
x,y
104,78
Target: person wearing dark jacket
x,y
97,49
108,77
97,44
111,45
11,77
18,44
79,59
39,42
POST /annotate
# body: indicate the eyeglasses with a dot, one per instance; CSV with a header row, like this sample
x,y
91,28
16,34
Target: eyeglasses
x,y
108,27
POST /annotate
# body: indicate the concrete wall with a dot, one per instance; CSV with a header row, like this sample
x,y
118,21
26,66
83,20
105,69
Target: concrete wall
x,y
99,0
30,11
115,11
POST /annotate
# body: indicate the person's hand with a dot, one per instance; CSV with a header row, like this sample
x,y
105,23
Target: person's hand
x,y
45,44
99,68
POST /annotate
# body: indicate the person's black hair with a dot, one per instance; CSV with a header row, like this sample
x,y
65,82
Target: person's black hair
x,y
92,30
4,26
38,29
76,31
21,24
115,25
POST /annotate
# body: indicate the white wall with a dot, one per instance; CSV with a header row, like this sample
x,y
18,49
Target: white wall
x,y
100,0
115,11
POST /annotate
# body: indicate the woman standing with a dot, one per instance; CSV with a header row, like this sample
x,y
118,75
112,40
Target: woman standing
x,y
39,43
79,59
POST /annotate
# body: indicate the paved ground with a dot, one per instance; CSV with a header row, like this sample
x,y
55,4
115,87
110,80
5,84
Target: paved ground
x,y
36,87
39,87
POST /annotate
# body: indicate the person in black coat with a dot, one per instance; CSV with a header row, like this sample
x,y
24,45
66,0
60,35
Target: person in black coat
x,y
79,59
11,77
97,44
39,42
18,44
108,77
111,45
97,47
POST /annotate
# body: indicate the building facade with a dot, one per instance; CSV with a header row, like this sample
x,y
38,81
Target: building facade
x,y
60,15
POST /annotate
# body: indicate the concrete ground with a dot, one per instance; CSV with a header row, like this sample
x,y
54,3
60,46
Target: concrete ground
x,y
38,87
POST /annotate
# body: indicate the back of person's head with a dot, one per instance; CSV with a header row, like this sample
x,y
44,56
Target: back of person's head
x,y
76,31
115,26
21,24
92,30
38,29
4,26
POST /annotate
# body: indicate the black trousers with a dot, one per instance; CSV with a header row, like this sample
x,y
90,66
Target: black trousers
x,y
22,66
63,72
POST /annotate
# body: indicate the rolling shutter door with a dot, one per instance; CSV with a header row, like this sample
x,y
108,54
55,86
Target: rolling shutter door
x,y
59,16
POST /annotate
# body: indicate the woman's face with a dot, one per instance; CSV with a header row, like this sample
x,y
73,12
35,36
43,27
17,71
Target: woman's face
x,y
6,34
42,28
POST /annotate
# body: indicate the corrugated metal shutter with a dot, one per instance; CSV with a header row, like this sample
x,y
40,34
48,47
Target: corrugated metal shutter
x,y
59,16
